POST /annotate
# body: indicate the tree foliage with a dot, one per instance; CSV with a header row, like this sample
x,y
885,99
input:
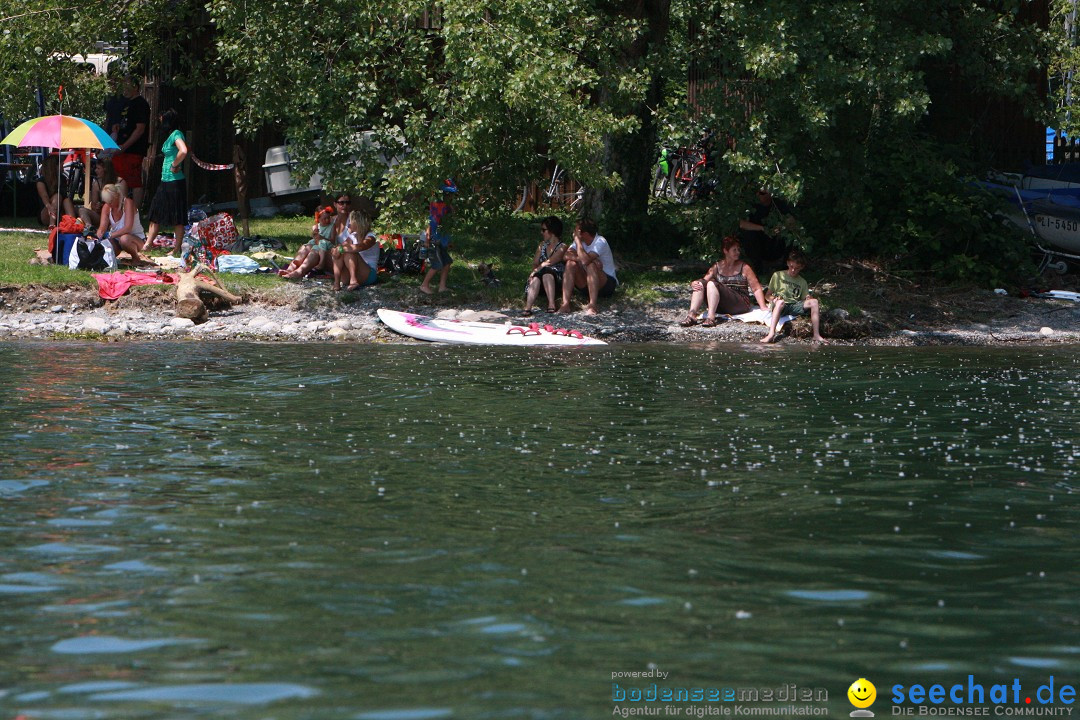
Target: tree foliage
x,y
481,92
828,103
38,39
825,101
1064,66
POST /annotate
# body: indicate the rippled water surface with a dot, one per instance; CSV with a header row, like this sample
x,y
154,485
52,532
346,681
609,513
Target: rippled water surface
x,y
418,532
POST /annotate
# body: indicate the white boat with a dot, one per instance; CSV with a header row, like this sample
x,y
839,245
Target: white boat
x,y
1052,214
1042,177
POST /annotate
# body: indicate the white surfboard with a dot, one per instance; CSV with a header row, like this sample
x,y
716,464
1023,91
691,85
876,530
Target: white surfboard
x,y
463,332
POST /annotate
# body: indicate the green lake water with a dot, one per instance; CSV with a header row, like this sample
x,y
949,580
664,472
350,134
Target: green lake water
x,y
416,532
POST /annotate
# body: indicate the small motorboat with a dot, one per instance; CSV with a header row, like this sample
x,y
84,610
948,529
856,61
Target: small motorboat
x,y
1051,214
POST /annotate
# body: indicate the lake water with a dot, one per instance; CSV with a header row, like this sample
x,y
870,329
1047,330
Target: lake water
x,y
414,532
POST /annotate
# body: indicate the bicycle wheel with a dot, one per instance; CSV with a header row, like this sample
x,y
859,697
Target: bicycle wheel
x,y
681,180
576,198
524,198
552,195
660,182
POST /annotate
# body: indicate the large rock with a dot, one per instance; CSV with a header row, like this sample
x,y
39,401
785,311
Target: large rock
x,y
481,316
95,324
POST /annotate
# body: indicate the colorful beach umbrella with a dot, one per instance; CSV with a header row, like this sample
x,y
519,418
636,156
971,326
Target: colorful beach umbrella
x,y
60,132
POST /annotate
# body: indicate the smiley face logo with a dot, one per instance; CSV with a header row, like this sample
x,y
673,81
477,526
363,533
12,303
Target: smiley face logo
x,y
862,694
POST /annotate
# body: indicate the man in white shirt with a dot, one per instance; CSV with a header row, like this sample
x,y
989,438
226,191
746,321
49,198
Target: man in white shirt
x,y
590,268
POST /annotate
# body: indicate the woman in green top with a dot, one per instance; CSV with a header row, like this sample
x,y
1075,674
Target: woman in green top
x,y
169,206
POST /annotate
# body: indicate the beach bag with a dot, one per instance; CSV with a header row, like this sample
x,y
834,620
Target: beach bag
x,y
89,253
414,259
218,231
396,259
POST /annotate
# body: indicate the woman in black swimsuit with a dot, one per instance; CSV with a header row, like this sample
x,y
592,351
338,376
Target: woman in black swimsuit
x,y
548,266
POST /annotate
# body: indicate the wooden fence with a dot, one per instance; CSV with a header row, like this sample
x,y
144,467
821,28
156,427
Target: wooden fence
x,y
1066,150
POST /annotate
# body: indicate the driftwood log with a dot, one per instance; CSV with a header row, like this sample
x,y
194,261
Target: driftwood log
x,y
189,304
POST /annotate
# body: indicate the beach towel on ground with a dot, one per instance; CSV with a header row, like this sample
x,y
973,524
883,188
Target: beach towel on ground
x,y
113,285
758,315
236,264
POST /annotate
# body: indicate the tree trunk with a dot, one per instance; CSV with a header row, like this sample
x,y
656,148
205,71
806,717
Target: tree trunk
x,y
240,175
623,210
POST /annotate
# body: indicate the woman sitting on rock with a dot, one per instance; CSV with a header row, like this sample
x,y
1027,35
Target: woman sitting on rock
x,y
730,287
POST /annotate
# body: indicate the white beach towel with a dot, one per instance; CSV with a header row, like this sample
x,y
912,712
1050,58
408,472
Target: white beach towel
x,y
757,315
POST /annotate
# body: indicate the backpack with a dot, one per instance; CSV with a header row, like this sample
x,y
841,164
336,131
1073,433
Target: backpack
x,y
414,260
398,261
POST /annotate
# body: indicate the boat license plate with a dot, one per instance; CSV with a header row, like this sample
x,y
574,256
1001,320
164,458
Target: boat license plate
x,y
1056,223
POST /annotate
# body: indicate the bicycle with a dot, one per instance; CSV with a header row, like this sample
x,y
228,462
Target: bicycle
x,y
556,194
678,173
74,175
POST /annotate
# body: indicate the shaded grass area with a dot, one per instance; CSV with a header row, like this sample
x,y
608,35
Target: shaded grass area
x,y
506,242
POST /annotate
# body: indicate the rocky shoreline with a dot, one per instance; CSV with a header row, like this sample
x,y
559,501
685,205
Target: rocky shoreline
x,y
302,313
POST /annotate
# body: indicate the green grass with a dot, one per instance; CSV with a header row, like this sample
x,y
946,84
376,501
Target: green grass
x,y
16,251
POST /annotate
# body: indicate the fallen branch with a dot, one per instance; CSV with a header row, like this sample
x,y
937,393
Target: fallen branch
x,y
189,304
861,265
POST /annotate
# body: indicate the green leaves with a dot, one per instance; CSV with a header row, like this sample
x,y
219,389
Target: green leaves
x,y
831,102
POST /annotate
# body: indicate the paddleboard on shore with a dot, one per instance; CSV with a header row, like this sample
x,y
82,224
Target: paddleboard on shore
x,y
1061,295
463,332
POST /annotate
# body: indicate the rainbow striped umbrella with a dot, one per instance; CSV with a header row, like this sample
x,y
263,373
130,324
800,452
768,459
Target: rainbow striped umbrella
x,y
61,132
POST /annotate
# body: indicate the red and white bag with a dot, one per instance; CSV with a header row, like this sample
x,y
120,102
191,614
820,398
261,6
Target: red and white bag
x,y
218,231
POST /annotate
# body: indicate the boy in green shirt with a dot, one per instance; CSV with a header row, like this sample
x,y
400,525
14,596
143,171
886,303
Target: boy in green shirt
x,y
789,295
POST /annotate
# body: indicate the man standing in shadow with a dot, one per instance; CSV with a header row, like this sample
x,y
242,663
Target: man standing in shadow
x,y
761,232
133,138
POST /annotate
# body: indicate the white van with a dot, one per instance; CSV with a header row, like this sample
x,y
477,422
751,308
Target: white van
x,y
98,62
278,169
